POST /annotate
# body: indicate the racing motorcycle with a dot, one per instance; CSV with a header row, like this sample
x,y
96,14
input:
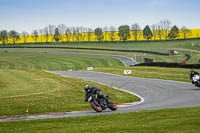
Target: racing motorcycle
x,y
98,101
194,76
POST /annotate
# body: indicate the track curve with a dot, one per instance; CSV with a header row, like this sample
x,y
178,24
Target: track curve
x,y
157,94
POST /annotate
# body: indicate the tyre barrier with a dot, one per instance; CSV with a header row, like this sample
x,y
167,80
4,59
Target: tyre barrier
x,y
171,65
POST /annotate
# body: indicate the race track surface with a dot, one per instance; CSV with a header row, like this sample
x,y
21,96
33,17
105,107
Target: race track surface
x,y
157,94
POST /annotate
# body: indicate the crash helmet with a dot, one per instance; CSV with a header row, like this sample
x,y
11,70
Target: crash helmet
x,y
192,71
86,87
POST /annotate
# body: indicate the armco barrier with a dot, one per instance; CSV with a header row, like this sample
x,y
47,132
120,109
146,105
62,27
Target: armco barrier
x,y
172,65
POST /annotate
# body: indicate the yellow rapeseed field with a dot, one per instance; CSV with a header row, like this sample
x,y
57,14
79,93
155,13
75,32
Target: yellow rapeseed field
x,y
195,33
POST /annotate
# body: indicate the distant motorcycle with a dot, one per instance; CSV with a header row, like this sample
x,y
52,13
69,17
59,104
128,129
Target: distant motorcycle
x,y
194,76
98,101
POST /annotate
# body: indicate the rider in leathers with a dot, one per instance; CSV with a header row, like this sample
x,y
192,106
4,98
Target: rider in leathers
x,y
192,73
93,90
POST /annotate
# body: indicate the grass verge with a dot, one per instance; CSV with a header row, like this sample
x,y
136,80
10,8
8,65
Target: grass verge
x,y
43,92
177,74
182,120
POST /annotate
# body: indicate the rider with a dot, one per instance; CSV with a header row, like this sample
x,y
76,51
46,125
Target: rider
x,y
93,90
192,73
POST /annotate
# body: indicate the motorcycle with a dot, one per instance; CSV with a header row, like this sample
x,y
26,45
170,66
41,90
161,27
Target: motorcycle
x,y
194,76
98,101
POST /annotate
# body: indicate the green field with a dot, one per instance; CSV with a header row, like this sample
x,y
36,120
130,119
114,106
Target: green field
x,y
140,45
42,61
23,85
183,120
182,46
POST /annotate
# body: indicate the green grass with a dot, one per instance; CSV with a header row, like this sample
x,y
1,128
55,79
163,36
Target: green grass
x,y
43,92
42,61
140,45
183,120
182,46
177,74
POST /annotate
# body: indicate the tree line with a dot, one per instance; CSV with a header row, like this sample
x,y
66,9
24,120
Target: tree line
x,y
61,33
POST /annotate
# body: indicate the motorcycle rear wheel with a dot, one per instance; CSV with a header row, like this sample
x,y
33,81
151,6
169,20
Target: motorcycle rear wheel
x,y
113,107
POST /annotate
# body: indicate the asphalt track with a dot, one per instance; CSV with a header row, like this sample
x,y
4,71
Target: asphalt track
x,y
154,93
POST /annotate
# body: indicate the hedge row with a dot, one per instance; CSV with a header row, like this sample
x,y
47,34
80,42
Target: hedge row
x,y
173,65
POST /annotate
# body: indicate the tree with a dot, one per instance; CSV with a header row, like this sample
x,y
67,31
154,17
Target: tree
x,y
24,36
35,35
99,34
46,33
147,32
77,33
56,35
136,31
174,33
165,26
89,34
124,32
51,30
186,32
83,31
112,33
154,30
62,28
41,34
4,36
68,34
159,31
14,35
105,30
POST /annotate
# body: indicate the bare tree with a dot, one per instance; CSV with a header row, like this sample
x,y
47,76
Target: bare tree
x,y
62,28
89,34
83,34
159,31
35,35
68,33
77,34
74,31
105,30
112,33
136,31
46,33
24,36
41,34
186,32
166,26
51,31
154,30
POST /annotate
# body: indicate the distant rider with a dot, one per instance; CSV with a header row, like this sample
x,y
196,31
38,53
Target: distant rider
x,y
192,73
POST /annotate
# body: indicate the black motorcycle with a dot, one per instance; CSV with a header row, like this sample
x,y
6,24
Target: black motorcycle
x,y
194,76
98,101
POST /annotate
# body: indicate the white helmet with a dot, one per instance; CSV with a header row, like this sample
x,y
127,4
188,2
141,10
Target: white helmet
x,y
87,87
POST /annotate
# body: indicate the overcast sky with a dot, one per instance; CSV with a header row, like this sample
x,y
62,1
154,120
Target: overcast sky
x,y
27,15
